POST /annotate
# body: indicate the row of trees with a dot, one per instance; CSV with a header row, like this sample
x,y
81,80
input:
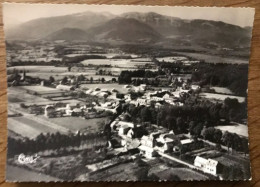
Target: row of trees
x,y
53,141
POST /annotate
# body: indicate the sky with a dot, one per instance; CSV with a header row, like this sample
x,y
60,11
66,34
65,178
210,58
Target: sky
x,y
17,13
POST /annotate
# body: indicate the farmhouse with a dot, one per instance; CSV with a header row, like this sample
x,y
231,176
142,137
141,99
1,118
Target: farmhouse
x,y
147,151
207,165
49,111
136,132
164,147
64,87
148,141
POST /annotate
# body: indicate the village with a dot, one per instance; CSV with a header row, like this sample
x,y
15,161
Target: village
x,y
123,105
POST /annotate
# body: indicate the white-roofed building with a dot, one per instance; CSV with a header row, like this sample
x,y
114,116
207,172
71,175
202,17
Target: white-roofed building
x,y
207,165
147,151
64,87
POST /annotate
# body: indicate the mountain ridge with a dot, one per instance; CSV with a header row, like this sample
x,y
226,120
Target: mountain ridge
x,y
150,26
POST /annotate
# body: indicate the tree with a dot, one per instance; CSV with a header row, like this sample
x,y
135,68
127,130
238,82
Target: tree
x,y
81,78
227,139
146,114
91,79
196,131
124,77
180,124
103,80
113,80
64,80
209,133
244,143
217,136
51,79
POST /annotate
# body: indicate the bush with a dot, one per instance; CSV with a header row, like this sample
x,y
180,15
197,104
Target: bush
x,y
22,105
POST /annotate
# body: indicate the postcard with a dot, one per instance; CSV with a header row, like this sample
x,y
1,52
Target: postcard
x,y
127,93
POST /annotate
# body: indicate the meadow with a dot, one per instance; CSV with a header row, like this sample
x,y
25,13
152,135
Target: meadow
x,y
214,58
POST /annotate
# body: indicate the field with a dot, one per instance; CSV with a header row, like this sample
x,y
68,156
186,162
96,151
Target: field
x,y
221,97
76,123
14,173
17,92
40,89
28,127
222,90
214,58
185,174
171,59
240,129
28,69
124,63
121,172
109,87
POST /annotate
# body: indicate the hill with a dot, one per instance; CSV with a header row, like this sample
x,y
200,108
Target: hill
x,y
126,30
68,34
42,27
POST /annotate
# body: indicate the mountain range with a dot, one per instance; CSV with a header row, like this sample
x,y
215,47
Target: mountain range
x,y
132,27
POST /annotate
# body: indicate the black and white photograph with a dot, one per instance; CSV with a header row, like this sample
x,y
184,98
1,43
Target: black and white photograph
x,y
126,92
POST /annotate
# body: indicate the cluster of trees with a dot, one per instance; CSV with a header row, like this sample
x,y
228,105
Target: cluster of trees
x,y
77,59
232,76
229,110
53,141
231,140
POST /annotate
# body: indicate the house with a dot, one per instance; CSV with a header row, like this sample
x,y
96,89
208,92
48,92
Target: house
x,y
166,96
147,151
183,143
166,138
113,143
195,87
77,112
164,147
141,101
148,141
157,99
64,87
207,165
136,132
123,130
49,111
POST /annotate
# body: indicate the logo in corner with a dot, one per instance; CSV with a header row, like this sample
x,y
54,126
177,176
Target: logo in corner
x,y
24,159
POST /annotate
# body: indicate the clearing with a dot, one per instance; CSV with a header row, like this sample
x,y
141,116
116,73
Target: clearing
x,y
221,97
214,58
237,128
